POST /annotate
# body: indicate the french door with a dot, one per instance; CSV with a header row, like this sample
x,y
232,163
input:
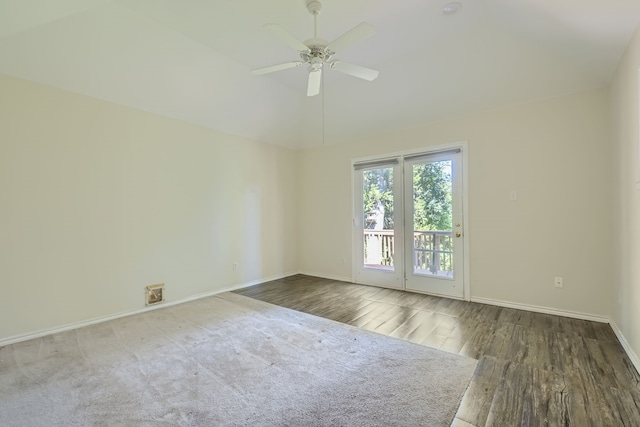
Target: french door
x,y
408,223
378,223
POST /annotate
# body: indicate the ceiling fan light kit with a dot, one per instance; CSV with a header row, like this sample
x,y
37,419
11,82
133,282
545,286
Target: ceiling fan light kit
x,y
316,51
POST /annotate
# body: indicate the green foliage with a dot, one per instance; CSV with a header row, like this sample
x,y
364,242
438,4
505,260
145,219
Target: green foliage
x,y
378,193
431,195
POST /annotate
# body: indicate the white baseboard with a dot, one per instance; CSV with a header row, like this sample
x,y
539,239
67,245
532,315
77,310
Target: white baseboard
x,y
76,325
327,276
625,344
565,313
544,310
489,301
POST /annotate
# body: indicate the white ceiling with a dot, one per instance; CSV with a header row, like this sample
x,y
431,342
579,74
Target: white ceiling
x,y
190,59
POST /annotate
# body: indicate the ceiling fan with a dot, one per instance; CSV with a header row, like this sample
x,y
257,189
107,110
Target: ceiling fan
x,y
316,52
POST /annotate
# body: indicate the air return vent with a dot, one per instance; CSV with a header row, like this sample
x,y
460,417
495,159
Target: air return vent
x,y
154,294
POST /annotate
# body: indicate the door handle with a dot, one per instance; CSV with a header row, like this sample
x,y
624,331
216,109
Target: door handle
x,y
458,234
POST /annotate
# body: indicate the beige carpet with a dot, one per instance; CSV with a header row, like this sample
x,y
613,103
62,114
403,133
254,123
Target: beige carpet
x,y
227,360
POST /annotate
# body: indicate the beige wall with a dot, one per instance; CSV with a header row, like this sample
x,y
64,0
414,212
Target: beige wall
x,y
555,153
99,200
626,189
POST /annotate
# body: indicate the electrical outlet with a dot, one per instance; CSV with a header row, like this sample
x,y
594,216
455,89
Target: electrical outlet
x,y
559,282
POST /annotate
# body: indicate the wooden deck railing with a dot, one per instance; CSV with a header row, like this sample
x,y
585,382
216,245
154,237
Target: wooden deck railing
x,y
432,250
379,247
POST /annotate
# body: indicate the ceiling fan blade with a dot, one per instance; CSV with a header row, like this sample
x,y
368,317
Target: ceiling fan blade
x,y
272,68
351,37
286,37
355,70
315,78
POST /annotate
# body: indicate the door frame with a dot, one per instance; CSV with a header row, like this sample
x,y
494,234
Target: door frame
x,y
463,146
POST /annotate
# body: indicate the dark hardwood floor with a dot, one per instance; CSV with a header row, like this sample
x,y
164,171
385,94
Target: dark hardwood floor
x,y
533,370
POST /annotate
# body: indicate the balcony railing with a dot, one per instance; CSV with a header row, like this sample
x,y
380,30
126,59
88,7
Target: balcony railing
x,y
432,251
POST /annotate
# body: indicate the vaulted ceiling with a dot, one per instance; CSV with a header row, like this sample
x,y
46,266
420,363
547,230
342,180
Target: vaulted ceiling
x,y
190,59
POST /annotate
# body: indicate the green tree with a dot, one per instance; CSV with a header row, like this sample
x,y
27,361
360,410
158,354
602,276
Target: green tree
x,y
432,196
378,193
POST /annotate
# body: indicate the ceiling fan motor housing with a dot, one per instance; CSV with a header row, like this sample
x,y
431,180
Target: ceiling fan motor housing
x,y
316,54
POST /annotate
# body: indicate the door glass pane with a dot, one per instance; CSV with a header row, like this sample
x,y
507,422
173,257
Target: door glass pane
x,y
432,221
377,191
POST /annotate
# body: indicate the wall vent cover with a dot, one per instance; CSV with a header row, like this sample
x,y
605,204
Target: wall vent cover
x,y
154,294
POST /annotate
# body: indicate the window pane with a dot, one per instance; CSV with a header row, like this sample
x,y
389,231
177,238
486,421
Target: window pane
x,y
377,190
432,220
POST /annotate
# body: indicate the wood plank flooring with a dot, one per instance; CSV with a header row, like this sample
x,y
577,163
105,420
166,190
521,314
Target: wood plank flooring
x,y
533,370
